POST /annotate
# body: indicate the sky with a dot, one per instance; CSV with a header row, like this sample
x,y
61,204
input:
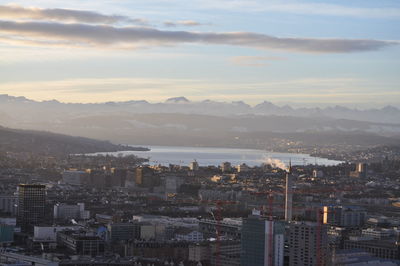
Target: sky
x,y
300,52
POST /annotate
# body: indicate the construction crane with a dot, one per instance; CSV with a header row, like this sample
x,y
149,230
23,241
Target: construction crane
x,y
319,219
218,218
270,237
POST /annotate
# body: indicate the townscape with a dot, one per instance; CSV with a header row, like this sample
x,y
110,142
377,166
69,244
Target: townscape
x,y
105,210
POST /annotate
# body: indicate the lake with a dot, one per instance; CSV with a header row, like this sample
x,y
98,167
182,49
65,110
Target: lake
x,y
165,155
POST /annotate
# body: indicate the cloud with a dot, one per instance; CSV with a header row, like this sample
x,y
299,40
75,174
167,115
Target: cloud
x,y
334,10
297,7
189,23
254,60
66,15
105,36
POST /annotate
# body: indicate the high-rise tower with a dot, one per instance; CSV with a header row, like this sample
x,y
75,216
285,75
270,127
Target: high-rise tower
x,y
289,194
262,242
31,206
307,244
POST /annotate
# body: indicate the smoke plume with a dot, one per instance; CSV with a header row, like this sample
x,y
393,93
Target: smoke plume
x,y
276,163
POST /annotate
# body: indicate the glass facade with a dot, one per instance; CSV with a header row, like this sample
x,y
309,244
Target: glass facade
x,y
31,206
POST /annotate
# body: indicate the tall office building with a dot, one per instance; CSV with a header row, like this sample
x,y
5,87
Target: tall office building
x,y
289,195
262,242
31,206
307,244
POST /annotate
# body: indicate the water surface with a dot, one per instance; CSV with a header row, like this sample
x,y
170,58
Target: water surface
x,y
166,155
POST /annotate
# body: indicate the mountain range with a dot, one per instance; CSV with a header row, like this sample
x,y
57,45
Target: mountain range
x,y
179,121
387,114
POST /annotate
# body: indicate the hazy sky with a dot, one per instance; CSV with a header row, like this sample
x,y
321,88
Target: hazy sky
x,y
331,52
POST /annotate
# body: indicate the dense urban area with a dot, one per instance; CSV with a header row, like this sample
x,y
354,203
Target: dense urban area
x,y
105,210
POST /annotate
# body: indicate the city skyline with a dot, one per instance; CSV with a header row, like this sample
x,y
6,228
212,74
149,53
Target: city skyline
x,y
300,52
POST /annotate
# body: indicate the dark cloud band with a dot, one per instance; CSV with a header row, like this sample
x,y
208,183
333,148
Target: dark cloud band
x,y
115,37
59,14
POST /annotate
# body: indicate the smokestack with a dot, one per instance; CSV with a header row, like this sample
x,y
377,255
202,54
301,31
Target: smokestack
x,y
288,194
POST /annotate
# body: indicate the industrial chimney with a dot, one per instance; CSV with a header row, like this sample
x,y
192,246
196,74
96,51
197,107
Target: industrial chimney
x,y
289,194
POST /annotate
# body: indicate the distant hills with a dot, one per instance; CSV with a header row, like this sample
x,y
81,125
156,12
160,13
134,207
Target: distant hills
x,y
45,143
179,121
388,114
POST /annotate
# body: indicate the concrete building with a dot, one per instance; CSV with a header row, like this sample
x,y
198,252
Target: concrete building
x,y
189,235
45,237
172,184
145,177
8,204
194,166
119,177
345,216
103,218
31,206
242,168
212,194
123,231
226,167
289,196
386,249
307,244
360,171
199,252
317,173
229,253
377,233
80,243
147,231
130,181
179,250
9,258
8,220
97,178
49,233
75,178
262,242
67,212
227,230
6,234
357,257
